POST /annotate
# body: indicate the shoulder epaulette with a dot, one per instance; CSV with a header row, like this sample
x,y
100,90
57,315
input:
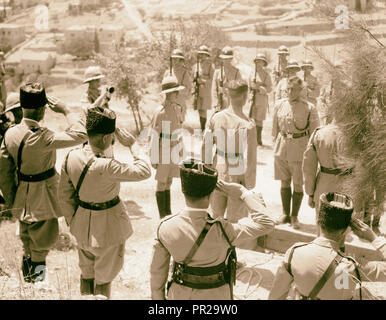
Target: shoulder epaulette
x,y
295,246
162,221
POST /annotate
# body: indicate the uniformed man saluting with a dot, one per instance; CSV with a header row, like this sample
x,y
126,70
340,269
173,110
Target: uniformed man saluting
x,y
89,196
294,120
28,151
199,245
315,267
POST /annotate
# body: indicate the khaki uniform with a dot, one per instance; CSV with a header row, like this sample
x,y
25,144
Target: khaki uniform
x,y
232,73
34,202
235,164
310,261
260,105
177,234
324,148
101,234
205,92
165,167
311,90
184,79
292,118
281,89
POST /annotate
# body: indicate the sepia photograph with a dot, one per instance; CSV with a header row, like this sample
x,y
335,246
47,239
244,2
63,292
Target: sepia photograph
x,y
203,150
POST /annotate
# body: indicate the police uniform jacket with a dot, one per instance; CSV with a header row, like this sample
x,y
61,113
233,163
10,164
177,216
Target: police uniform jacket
x,y
293,118
230,74
100,228
177,234
35,201
325,147
205,92
311,90
310,261
242,131
261,105
281,89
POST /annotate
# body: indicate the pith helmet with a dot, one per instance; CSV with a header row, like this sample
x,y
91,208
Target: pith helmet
x,y
292,64
226,53
93,73
307,64
262,57
204,50
170,84
178,54
283,50
13,101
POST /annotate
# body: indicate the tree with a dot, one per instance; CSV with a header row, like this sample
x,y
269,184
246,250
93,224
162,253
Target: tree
x,y
360,111
126,77
187,36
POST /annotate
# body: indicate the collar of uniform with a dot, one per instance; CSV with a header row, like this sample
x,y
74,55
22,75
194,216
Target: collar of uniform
x,y
328,243
97,152
188,211
30,123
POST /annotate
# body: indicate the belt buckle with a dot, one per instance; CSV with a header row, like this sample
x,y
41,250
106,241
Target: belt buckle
x,y
290,136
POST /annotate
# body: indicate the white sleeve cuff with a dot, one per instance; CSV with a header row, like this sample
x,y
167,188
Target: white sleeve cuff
x,y
246,193
379,242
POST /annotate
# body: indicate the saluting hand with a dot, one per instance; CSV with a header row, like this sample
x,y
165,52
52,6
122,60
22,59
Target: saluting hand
x,y
231,189
124,137
57,106
362,230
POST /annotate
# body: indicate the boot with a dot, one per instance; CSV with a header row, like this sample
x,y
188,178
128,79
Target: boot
x,y
297,198
86,286
259,131
202,123
168,210
103,289
26,268
38,271
286,203
161,199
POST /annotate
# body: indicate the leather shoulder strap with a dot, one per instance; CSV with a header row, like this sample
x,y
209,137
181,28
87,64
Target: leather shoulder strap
x,y
197,243
224,233
20,150
82,175
326,275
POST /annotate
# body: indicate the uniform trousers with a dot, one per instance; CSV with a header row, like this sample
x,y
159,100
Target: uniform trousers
x,y
102,264
38,238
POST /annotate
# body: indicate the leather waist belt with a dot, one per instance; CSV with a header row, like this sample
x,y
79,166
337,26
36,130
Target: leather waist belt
x,y
295,135
228,154
37,177
99,206
200,278
337,172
